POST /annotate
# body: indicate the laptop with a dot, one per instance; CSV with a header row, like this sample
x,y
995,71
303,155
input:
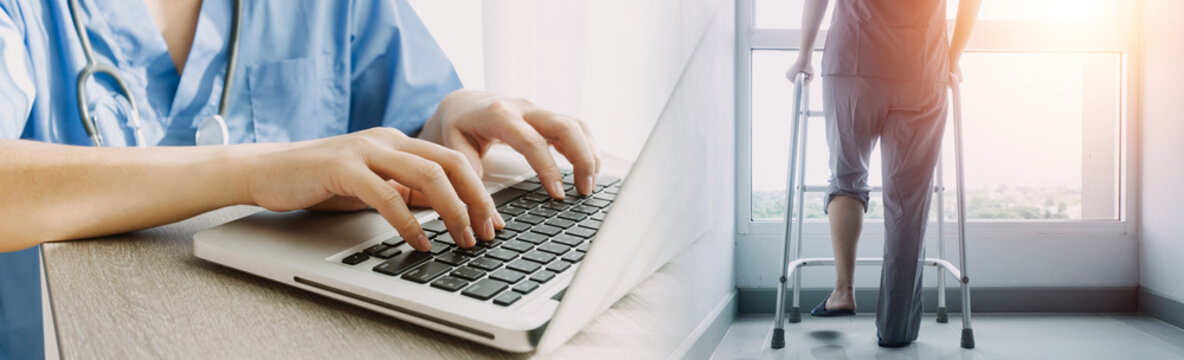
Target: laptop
x,y
555,266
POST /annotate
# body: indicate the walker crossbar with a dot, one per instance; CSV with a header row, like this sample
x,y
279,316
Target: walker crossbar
x,y
791,260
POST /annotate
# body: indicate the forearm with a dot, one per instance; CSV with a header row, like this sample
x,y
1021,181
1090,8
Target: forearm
x,y
963,25
812,15
55,192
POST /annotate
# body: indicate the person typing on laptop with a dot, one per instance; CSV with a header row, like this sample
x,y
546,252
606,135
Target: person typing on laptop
x,y
343,107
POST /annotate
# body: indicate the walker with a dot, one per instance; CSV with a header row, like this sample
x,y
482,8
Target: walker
x,y
797,165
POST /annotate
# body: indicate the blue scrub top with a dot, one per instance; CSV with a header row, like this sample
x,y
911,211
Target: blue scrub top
x,y
306,70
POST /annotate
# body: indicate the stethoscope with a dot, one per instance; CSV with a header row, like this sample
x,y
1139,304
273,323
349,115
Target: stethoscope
x,y
211,131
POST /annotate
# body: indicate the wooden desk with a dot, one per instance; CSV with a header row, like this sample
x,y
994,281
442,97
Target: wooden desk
x,y
144,295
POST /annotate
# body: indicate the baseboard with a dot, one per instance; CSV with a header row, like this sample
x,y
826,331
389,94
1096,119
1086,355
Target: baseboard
x,y
710,332
985,300
1161,307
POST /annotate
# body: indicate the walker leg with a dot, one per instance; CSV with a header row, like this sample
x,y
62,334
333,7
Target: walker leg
x,y
778,340
967,333
795,314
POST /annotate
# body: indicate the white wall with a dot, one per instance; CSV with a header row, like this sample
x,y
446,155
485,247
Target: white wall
x,y
1161,245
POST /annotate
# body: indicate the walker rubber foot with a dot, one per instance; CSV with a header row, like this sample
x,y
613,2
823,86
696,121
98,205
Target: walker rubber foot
x,y
795,315
778,339
942,316
967,339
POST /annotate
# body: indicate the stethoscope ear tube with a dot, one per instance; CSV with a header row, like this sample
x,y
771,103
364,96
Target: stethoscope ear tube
x,y
93,67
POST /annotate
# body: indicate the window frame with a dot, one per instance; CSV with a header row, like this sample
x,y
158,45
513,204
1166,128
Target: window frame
x,y
993,36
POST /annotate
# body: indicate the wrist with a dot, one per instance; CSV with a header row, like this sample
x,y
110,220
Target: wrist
x,y
232,166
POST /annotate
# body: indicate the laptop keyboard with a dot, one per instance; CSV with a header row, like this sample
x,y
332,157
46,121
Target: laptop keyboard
x,y
542,239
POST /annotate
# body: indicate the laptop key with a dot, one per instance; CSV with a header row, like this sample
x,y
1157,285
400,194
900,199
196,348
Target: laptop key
x,y
517,226
539,257
450,283
388,253
543,276
486,263
582,232
452,258
524,203
439,247
374,250
489,244
546,230
532,238
561,223
518,245
605,197
530,219
591,224
471,252
544,212
559,266
502,254
356,258
507,299
525,186
583,247
596,203
573,216
598,216
507,275
585,209
557,249
445,238
567,240
511,210
402,262
526,287
525,266
536,197
574,256
468,273
395,241
505,234
485,289
427,272
436,226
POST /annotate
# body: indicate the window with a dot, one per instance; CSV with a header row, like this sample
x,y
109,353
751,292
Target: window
x,y
1044,111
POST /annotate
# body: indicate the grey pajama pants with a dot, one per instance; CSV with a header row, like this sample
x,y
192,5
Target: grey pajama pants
x,y
908,119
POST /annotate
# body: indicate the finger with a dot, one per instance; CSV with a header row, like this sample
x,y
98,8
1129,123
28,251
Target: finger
x,y
430,179
414,198
464,180
527,141
573,145
595,145
373,190
457,140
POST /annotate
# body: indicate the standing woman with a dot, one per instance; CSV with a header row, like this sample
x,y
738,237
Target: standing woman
x,y
885,72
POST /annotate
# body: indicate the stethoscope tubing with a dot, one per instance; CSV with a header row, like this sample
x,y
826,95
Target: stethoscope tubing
x,y
92,67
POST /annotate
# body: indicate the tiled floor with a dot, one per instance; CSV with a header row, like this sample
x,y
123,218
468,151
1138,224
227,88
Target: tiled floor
x,y
997,337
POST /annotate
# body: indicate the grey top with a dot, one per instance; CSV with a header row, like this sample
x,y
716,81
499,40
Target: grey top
x,y
889,39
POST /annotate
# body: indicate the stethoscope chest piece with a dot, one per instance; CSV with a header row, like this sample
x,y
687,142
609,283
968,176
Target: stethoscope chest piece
x,y
212,131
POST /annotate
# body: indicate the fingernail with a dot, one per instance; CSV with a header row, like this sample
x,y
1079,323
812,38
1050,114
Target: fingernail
x,y
498,220
558,188
489,228
423,241
589,183
469,238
